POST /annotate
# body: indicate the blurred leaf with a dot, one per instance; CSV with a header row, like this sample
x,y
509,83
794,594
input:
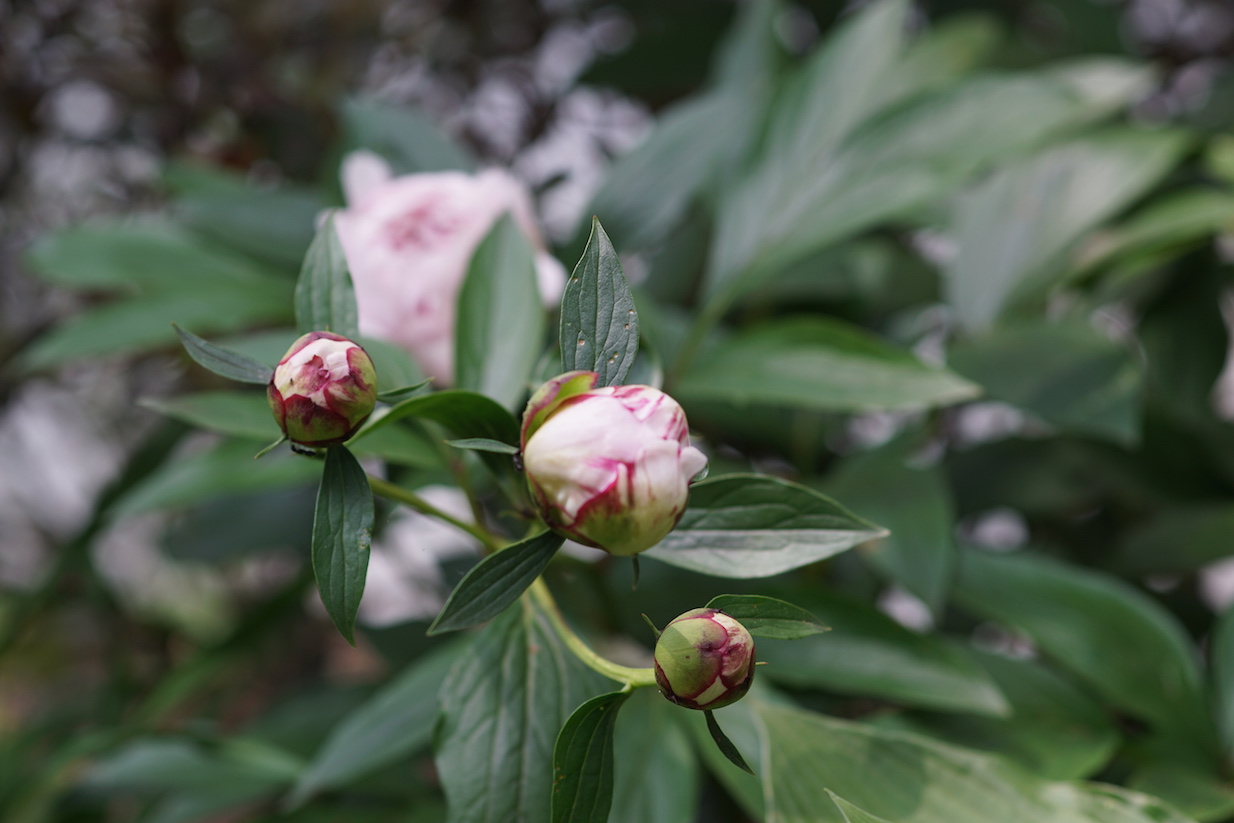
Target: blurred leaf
x,y
226,469
222,362
501,322
239,414
406,137
1222,656
744,525
768,617
919,781
851,813
136,324
1177,539
1069,373
1054,729
599,327
139,257
1122,644
656,771
325,297
1169,222
1203,796
154,766
394,723
270,225
943,53
915,505
395,368
867,654
819,363
583,762
342,534
496,582
1011,226
502,706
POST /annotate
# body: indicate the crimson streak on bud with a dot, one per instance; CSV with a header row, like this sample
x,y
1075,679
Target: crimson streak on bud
x,y
704,660
609,467
323,389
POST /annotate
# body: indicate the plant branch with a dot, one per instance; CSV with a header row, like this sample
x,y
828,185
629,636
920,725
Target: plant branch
x,y
412,500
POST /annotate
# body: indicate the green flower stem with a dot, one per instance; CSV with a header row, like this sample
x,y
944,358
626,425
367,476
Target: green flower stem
x,y
412,500
628,677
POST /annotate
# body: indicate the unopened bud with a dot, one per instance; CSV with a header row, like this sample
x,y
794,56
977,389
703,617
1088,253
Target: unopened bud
x,y
323,389
704,660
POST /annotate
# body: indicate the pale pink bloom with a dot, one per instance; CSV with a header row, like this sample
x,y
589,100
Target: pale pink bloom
x,y
609,467
408,242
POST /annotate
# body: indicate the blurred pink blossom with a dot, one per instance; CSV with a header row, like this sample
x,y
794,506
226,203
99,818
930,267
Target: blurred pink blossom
x,y
408,242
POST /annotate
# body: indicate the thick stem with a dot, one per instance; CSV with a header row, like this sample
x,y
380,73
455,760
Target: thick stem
x,y
412,500
629,677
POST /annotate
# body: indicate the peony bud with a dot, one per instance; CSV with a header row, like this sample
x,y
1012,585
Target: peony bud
x,y
323,389
408,242
609,467
704,660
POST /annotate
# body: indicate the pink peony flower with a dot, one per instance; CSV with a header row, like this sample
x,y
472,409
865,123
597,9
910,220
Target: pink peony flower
x,y
408,242
609,467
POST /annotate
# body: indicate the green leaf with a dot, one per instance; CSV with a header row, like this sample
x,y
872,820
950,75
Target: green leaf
x,y
583,762
501,708
465,414
496,582
909,779
867,654
655,779
225,470
1206,796
394,723
1055,729
1069,373
1012,226
325,297
484,444
223,362
1222,654
726,746
500,329
405,136
342,533
400,394
153,765
915,505
1122,644
768,617
1167,223
821,364
239,414
851,813
599,326
745,525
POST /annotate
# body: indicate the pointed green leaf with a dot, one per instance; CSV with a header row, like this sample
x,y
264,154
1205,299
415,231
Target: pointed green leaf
x,y
726,746
222,362
501,707
484,444
501,322
392,724
851,813
822,364
746,525
496,582
325,297
599,327
583,762
342,532
768,617
400,394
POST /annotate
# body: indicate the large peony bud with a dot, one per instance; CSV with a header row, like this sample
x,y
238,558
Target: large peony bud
x,y
704,660
609,467
323,389
408,242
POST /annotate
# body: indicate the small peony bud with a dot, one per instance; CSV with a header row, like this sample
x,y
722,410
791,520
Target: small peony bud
x,y
323,389
609,467
704,660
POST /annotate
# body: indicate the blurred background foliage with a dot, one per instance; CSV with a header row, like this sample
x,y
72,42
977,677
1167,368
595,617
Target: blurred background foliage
x,y
1037,194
